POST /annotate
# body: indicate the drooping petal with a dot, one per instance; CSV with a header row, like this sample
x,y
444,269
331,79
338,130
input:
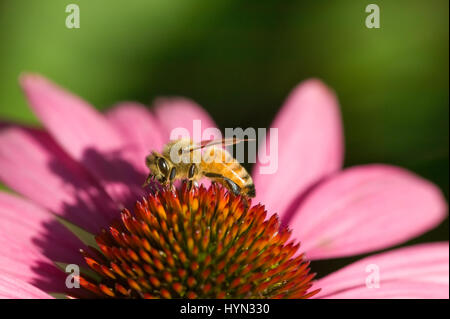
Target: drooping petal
x,y
139,128
85,134
13,288
420,271
310,146
181,113
366,208
31,240
32,164
35,270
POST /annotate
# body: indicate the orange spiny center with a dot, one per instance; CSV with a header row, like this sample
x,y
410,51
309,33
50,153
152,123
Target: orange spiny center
x,y
199,243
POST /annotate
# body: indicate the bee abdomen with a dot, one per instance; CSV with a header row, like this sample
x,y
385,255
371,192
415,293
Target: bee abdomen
x,y
219,164
248,187
249,190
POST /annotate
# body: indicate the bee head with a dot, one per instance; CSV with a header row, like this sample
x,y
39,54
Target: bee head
x,y
160,168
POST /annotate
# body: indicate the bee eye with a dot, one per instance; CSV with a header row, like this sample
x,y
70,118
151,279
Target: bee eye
x,y
163,167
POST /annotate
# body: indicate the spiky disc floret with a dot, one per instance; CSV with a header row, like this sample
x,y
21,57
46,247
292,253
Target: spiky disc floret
x,y
202,243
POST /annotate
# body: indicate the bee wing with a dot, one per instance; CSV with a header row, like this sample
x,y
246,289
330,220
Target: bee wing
x,y
223,141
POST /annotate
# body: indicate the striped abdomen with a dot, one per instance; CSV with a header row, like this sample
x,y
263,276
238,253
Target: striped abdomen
x,y
218,165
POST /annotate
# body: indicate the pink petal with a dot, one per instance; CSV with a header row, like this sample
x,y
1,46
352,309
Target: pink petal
x,y
35,270
175,113
420,271
85,134
366,208
32,164
139,128
396,290
12,288
310,146
31,240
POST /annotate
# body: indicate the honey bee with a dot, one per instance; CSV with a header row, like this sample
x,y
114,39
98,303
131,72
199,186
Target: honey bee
x,y
186,160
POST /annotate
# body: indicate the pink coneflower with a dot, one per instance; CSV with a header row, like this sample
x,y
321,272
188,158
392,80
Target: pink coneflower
x,y
86,168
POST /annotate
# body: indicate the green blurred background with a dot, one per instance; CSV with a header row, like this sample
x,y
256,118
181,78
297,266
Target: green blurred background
x,y
239,59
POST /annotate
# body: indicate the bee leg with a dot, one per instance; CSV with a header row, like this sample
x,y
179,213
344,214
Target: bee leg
x,y
147,180
189,184
170,186
192,172
233,186
173,173
214,184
